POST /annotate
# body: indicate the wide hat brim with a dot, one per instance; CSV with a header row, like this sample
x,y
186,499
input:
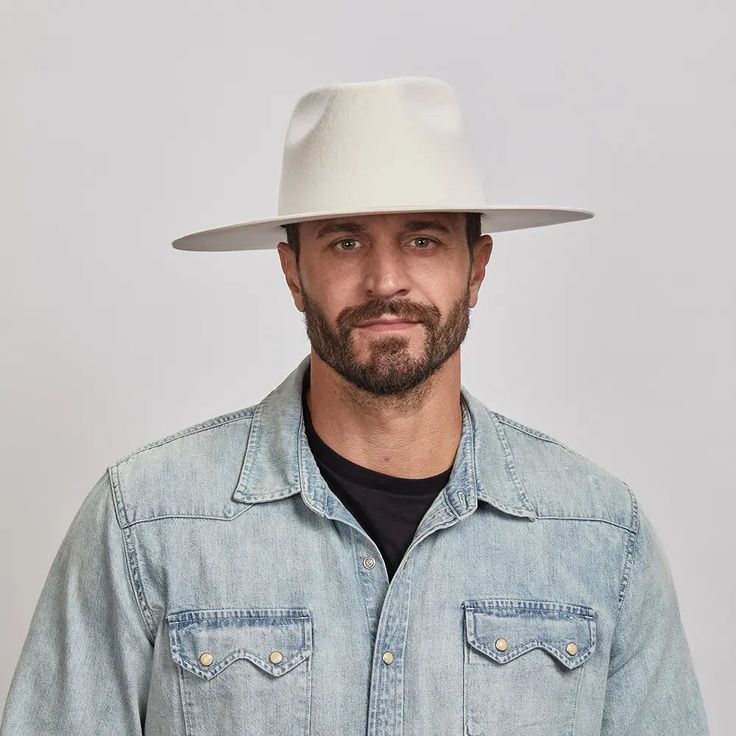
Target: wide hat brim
x,y
266,234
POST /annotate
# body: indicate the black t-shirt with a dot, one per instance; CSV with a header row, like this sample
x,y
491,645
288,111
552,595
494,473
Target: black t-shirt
x,y
388,508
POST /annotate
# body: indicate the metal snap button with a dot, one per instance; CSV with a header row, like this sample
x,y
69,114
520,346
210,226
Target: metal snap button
x,y
206,659
369,563
276,657
572,648
502,645
388,657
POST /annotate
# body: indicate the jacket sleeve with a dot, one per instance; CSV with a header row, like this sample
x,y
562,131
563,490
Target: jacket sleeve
x,y
652,688
84,667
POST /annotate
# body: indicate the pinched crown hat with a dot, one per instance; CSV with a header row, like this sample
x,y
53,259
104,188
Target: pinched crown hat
x,y
391,145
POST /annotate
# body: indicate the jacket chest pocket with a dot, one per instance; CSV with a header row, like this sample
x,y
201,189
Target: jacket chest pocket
x,y
244,672
522,665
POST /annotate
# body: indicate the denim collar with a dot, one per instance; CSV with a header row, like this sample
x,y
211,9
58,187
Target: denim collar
x,y
278,461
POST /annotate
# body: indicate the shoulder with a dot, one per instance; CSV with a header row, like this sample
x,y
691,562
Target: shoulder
x,y
563,483
191,472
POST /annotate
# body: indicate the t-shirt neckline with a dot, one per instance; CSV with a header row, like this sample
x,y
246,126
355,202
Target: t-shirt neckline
x,y
360,474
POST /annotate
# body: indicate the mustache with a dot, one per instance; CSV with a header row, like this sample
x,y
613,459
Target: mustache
x,y
376,308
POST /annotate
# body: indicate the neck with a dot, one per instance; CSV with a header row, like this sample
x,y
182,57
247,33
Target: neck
x,y
414,435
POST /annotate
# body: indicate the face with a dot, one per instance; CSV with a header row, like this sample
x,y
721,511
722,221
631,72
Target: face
x,y
386,298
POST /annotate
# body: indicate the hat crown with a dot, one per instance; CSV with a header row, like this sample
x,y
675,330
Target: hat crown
x,y
362,148
361,145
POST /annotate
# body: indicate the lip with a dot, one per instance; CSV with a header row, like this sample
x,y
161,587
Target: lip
x,y
383,325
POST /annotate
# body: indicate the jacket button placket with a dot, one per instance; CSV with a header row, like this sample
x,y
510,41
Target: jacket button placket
x,y
387,675
372,578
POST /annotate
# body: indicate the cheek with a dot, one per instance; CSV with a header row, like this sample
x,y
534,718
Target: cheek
x,y
446,274
330,301
447,288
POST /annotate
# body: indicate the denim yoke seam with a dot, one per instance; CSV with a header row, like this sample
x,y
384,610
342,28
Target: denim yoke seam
x,y
546,438
527,430
631,542
219,421
126,526
131,558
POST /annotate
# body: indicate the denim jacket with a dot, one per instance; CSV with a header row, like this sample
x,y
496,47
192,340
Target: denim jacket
x,y
211,584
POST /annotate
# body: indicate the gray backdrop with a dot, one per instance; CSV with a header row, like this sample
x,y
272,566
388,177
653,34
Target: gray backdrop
x,y
127,125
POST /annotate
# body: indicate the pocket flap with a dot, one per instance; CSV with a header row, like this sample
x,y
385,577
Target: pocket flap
x,y
205,642
505,628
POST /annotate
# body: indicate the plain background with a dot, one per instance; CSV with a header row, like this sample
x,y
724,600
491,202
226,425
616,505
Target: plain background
x,y
128,125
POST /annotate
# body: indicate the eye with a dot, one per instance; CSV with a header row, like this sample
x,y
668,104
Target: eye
x,y
339,244
429,241
345,240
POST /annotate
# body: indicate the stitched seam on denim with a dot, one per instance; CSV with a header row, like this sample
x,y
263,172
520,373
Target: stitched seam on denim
x,y
513,510
302,472
465,676
181,621
587,518
437,514
133,573
121,512
164,517
309,696
398,714
440,525
552,440
528,647
511,466
246,655
195,616
526,429
581,675
521,649
631,547
470,458
220,421
251,449
447,505
374,703
183,696
547,438
275,496
485,605
122,509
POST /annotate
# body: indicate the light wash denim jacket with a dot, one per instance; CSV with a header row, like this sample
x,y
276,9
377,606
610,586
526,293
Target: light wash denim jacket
x,y
211,584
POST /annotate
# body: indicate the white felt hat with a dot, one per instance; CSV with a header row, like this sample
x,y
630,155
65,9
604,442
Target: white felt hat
x,y
390,145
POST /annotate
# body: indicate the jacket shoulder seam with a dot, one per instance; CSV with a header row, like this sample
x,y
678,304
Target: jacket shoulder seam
x,y
526,429
131,558
553,440
631,546
542,436
218,421
536,434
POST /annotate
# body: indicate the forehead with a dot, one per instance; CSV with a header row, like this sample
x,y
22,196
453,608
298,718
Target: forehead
x,y
449,222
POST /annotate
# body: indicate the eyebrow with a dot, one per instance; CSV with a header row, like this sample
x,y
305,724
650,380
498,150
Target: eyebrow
x,y
356,227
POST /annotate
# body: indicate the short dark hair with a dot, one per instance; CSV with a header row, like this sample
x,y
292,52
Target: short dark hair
x,y
472,232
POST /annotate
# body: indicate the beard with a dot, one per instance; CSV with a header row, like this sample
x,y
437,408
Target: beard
x,y
391,369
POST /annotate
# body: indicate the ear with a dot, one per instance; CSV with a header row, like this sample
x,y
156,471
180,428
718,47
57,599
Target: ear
x,y
291,272
481,254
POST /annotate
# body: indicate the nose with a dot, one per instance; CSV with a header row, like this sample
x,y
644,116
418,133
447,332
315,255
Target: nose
x,y
385,274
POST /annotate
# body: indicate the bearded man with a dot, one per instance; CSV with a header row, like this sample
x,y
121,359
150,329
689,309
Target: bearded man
x,y
369,549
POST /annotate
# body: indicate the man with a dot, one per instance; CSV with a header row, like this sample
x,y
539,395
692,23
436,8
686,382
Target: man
x,y
369,549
